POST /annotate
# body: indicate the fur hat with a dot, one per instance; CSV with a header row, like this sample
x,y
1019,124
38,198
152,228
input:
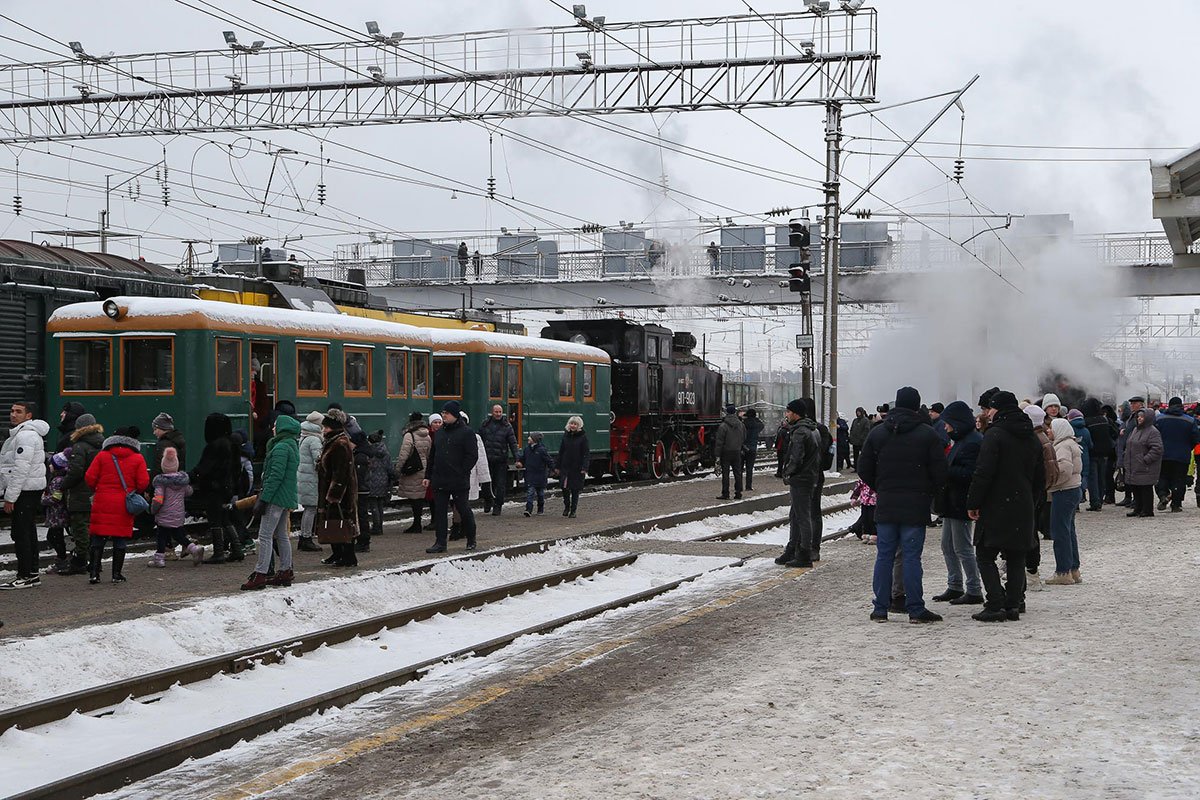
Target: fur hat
x,y
163,422
985,399
416,416
170,460
84,420
334,419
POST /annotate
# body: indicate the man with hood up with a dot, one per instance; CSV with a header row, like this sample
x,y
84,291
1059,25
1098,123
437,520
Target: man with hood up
x,y
958,548
731,435
905,465
1009,475
71,411
213,479
22,479
800,463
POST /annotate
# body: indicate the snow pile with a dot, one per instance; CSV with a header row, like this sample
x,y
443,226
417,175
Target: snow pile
x,y
44,666
29,758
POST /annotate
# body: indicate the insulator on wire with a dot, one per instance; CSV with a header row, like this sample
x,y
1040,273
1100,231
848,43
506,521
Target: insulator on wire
x,y
166,195
959,167
16,205
321,193
491,188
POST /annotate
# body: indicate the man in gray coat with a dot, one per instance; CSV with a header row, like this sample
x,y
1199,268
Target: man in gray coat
x,y
731,435
800,464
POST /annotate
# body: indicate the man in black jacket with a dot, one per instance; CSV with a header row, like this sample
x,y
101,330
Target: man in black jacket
x,y
1009,475
825,462
452,456
800,464
727,446
1104,446
754,429
499,442
904,463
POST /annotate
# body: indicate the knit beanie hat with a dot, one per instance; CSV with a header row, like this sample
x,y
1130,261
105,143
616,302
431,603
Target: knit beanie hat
x,y
796,407
536,436
1051,399
908,397
84,420
1002,401
163,422
435,417
453,408
315,417
59,460
1036,415
731,409
1074,414
937,408
170,460
416,416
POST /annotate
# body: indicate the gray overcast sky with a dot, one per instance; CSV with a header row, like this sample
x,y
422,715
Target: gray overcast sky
x,y
1093,73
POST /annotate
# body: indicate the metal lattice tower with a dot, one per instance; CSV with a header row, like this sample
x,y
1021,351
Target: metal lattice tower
x,y
731,62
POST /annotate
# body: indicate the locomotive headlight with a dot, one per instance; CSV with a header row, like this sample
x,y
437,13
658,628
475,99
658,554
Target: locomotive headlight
x,y
746,283
783,284
487,301
600,301
579,338
111,309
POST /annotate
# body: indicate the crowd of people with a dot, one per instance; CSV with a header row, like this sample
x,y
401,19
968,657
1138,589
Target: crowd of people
x,y
996,482
95,490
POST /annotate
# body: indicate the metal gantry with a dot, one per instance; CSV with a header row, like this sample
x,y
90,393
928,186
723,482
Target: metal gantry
x,y
728,62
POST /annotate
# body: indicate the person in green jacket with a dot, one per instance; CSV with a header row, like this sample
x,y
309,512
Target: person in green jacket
x,y
276,501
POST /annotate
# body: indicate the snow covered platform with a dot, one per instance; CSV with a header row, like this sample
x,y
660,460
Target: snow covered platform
x,y
69,602
769,683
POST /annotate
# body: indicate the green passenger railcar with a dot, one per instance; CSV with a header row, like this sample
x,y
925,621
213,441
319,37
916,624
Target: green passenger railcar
x,y
130,358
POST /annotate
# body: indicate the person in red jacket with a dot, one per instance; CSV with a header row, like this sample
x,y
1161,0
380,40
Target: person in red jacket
x,y
115,471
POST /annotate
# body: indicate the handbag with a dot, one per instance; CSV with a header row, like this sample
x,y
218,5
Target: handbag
x,y
412,465
1119,480
336,530
135,502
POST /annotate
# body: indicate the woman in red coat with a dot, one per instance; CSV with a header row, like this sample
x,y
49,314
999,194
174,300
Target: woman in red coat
x,y
120,457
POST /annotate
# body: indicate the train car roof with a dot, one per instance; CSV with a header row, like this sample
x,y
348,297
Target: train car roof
x,y
169,314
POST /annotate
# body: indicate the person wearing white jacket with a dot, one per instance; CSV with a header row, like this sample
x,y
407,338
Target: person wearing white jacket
x,y
23,477
1064,502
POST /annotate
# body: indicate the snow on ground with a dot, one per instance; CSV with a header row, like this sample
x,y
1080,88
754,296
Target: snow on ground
x,y
698,529
27,758
1094,693
43,666
833,523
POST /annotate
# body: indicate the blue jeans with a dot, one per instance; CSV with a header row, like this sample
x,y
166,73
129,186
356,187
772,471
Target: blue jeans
x,y
1062,529
538,492
910,540
1096,478
959,551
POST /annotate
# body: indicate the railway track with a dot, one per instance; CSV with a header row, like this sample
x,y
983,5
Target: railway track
x,y
394,510
140,694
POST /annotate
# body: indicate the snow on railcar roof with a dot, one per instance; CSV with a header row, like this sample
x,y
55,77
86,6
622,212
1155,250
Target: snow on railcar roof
x,y
141,310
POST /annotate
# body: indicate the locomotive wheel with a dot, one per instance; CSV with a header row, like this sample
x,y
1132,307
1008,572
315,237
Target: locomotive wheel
x,y
676,461
658,462
687,464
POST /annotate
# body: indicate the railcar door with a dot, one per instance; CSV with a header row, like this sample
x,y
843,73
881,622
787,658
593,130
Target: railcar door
x,y
264,388
513,368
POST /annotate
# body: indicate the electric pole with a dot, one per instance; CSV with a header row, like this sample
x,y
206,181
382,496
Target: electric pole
x,y
831,244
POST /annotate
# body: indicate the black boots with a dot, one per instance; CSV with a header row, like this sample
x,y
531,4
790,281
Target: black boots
x,y
218,546
456,532
234,540
788,552
949,594
94,556
117,565
416,523
803,558
308,545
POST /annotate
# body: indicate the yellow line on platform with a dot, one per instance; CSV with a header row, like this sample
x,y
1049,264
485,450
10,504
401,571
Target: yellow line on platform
x,y
366,744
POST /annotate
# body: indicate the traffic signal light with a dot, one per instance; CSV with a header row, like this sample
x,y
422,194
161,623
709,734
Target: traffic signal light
x,y
798,236
799,280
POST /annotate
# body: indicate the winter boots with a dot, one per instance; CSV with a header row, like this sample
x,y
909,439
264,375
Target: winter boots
x,y
1075,574
802,559
949,594
158,560
196,552
236,553
218,546
968,600
94,556
257,580
282,578
118,563
1061,579
308,545
76,566
788,552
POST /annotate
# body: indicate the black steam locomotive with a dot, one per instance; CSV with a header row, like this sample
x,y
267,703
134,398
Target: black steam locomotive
x,y
666,401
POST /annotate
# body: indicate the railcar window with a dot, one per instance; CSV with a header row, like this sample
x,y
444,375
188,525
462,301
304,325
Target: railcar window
x,y
311,370
514,380
147,365
633,345
589,382
652,348
447,377
86,365
496,378
396,365
229,366
419,375
357,362
566,382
